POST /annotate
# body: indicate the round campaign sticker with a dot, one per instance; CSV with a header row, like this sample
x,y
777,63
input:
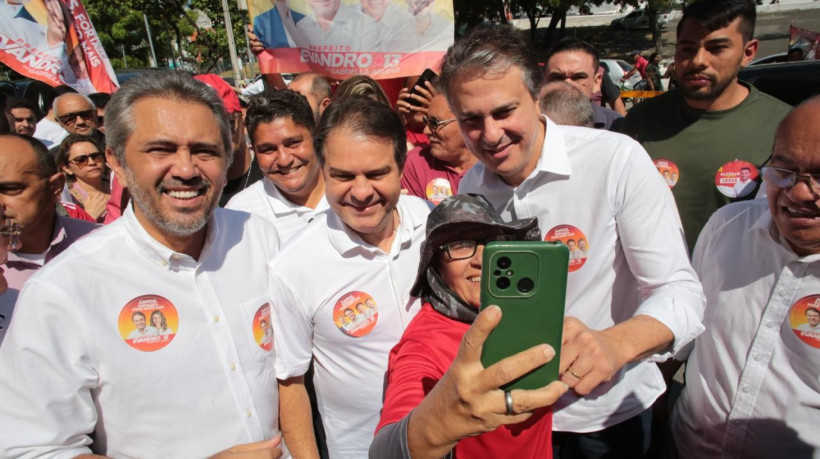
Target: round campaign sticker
x,y
262,328
148,322
668,170
575,240
736,179
355,314
804,319
438,189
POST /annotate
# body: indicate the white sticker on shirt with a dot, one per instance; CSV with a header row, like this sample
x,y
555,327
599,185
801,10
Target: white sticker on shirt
x,y
437,190
669,171
736,179
262,330
804,318
148,322
575,240
355,314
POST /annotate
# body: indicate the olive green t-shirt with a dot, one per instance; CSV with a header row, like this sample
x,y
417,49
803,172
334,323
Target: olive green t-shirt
x,y
702,154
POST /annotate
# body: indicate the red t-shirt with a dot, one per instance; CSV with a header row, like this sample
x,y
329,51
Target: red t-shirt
x,y
641,66
422,356
428,178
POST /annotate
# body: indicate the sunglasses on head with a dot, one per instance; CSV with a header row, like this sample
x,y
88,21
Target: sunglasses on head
x,y
82,160
70,118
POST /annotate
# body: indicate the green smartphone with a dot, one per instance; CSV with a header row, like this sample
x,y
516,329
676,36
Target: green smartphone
x,y
528,281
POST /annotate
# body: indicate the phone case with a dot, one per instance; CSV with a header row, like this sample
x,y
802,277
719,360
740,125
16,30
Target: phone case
x,y
426,76
528,281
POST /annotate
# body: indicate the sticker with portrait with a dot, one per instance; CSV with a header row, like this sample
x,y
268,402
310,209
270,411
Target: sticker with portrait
x,y
148,322
669,171
262,327
736,179
438,189
804,319
575,240
355,314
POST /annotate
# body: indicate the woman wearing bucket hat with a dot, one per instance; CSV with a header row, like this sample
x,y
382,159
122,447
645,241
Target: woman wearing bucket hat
x,y
439,397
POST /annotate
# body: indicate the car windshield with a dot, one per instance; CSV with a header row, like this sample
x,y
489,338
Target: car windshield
x,y
626,67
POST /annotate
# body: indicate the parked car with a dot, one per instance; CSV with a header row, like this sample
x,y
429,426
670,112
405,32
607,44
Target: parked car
x,y
617,68
639,19
770,59
791,82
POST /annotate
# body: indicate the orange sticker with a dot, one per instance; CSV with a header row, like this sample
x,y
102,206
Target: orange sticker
x,y
575,240
736,179
669,171
438,189
148,322
355,314
804,319
262,328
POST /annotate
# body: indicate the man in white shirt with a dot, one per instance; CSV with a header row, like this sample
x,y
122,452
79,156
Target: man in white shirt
x,y
280,125
812,321
751,380
634,299
74,382
365,247
745,184
332,24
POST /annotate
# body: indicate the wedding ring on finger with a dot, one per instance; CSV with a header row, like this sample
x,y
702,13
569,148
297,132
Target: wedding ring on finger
x,y
573,373
509,402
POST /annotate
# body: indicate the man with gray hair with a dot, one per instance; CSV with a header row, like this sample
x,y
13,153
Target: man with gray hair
x,y
634,298
174,257
77,114
566,105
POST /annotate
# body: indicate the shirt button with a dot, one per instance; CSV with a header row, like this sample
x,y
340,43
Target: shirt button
x,y
771,324
163,263
746,389
757,357
233,367
248,413
781,292
216,319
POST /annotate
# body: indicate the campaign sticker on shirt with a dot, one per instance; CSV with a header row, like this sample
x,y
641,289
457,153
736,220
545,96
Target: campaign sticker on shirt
x,y
804,319
148,323
668,170
262,328
438,189
736,179
575,240
355,314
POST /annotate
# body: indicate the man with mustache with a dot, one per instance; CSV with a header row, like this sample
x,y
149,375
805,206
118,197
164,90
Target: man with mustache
x,y
280,125
174,251
712,118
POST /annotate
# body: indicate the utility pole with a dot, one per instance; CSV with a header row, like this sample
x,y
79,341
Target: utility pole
x,y
231,44
150,40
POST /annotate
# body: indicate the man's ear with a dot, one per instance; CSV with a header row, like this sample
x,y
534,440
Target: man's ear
x,y
55,184
749,51
597,80
115,165
323,105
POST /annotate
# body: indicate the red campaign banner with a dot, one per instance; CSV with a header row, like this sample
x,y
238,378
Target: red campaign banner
x,y
803,44
342,38
55,42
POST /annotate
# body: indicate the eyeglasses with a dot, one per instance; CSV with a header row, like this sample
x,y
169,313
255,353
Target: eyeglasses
x,y
459,250
435,124
82,160
70,118
9,237
785,178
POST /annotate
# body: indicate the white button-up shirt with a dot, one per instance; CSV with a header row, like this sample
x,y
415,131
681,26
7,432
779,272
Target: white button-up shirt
x,y
309,299
72,381
753,378
349,28
264,199
602,187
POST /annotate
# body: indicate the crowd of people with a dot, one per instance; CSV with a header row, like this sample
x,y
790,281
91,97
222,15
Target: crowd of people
x,y
300,276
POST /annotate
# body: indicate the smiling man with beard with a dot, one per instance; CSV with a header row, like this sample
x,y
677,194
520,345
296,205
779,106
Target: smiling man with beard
x,y
365,248
172,251
712,118
280,125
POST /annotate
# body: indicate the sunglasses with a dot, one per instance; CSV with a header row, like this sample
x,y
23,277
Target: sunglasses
x,y
435,124
82,160
70,118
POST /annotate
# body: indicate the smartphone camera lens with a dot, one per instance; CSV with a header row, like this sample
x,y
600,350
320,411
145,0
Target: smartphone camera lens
x,y
504,262
525,285
502,283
